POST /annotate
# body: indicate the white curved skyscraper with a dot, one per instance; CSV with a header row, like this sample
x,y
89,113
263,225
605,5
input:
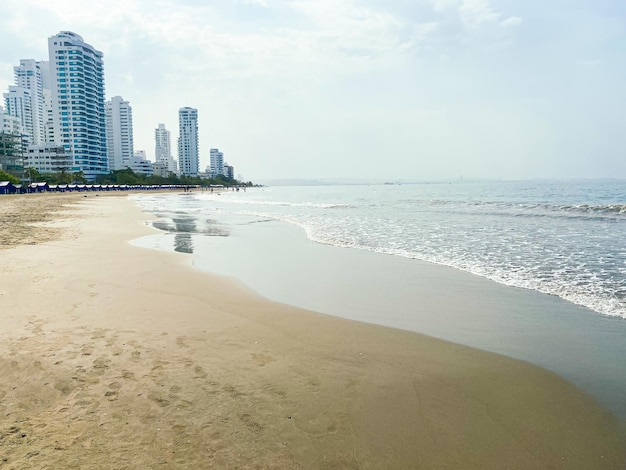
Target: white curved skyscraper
x,y
77,90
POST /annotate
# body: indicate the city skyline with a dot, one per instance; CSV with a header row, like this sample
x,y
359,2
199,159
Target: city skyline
x,y
432,88
57,110
57,87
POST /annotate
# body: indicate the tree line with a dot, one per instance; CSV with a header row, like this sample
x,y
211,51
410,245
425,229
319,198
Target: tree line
x,y
125,176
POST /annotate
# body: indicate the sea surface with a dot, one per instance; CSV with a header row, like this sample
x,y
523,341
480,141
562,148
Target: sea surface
x,y
534,270
566,239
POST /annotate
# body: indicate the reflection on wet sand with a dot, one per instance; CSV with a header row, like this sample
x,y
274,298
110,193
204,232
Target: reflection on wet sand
x,y
185,228
183,243
191,225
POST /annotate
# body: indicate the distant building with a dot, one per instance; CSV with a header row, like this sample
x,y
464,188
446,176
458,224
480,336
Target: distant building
x,y
217,163
188,153
29,75
229,171
140,164
47,158
163,149
76,76
160,169
19,104
119,125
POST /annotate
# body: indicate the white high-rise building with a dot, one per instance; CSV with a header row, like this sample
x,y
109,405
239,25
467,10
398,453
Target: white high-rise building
x,y
163,149
19,104
217,163
28,75
119,124
78,109
188,154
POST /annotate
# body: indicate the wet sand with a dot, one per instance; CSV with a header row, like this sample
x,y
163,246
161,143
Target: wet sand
x,y
113,356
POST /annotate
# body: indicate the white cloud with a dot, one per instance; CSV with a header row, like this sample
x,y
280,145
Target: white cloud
x,y
261,3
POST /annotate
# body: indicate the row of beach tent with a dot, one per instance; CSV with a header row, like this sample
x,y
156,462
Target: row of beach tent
x,y
6,187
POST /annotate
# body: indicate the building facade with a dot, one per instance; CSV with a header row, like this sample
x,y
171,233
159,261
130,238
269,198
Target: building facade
x,y
46,158
119,125
160,169
163,149
11,154
188,154
10,124
78,106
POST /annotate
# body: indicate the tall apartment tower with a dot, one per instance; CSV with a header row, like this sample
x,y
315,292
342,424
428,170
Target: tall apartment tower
x,y
28,75
78,110
163,148
188,154
119,126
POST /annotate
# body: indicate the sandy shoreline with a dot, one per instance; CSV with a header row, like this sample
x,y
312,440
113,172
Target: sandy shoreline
x,y
114,356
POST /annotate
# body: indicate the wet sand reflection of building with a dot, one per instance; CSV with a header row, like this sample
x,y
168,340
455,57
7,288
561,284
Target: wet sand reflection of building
x,y
184,229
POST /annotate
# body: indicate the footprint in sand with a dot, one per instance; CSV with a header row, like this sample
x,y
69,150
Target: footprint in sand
x,y
101,365
199,371
185,405
111,395
159,400
250,423
97,334
262,359
115,386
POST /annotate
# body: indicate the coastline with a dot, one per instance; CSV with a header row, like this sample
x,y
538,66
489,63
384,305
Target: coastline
x,y
116,356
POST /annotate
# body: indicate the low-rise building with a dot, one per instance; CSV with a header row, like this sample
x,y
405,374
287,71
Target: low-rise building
x,y
161,168
140,164
47,158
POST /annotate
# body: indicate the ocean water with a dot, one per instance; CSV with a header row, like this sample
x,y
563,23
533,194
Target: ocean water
x,y
566,239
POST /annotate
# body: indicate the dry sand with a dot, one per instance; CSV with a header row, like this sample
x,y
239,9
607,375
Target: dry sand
x,y
113,357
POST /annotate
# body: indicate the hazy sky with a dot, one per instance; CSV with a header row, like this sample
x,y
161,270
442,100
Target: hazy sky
x,y
411,89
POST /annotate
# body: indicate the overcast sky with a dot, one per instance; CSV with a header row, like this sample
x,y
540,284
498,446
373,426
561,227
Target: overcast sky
x,y
410,89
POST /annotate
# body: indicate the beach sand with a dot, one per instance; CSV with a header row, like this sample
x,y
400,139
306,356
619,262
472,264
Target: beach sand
x,y
114,356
